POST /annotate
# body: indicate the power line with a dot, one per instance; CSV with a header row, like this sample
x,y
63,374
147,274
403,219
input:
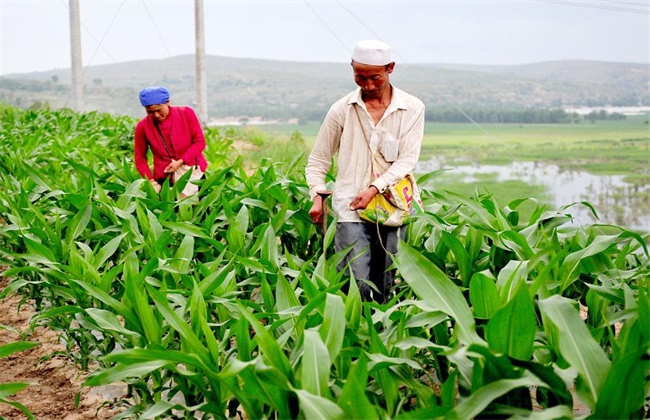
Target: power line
x,y
327,26
92,36
156,27
359,20
642,4
110,25
456,106
598,6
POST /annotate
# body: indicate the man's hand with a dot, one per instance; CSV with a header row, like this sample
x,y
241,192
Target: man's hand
x,y
316,211
362,200
172,167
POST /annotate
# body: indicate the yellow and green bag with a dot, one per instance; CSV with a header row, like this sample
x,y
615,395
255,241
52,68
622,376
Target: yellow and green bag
x,y
393,206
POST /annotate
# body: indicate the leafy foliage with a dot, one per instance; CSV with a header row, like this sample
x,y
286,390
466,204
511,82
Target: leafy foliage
x,y
228,300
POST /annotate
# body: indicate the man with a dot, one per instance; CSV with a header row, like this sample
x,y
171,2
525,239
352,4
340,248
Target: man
x,y
389,122
175,137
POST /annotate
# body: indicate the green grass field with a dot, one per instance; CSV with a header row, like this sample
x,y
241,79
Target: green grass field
x,y
603,147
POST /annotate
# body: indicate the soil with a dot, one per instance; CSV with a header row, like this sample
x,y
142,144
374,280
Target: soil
x,y
54,380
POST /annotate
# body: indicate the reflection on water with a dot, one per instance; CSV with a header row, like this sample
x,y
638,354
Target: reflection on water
x,y
616,202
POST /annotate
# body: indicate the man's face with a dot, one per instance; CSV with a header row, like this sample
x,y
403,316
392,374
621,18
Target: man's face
x,y
373,80
158,112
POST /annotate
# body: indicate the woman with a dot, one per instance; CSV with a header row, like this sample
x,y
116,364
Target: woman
x,y
175,137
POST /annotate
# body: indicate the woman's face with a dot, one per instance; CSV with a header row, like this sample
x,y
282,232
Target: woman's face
x,y
158,112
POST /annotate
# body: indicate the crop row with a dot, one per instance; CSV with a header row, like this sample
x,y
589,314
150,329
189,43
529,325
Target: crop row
x,y
227,301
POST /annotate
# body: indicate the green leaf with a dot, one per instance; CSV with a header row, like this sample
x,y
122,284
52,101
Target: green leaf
x,y
11,388
433,286
122,372
185,228
479,400
316,407
79,223
517,242
106,299
577,346
483,295
194,345
623,394
512,329
570,268
269,249
139,355
107,321
7,349
19,406
463,259
332,329
510,278
157,410
315,365
107,251
39,252
354,400
135,291
268,345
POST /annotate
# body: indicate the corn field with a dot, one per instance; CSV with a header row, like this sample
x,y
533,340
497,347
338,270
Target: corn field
x,y
229,303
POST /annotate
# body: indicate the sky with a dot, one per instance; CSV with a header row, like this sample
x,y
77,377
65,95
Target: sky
x,y
35,35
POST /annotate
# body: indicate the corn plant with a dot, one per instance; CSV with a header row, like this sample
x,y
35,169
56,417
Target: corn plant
x,y
227,301
11,388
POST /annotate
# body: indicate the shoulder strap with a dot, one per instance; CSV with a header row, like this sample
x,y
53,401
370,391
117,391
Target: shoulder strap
x,y
162,139
365,137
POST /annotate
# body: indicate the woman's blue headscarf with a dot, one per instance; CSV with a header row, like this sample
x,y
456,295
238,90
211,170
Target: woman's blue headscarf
x,y
154,95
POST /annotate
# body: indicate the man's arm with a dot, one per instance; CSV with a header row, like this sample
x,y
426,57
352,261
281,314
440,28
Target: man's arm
x,y
320,161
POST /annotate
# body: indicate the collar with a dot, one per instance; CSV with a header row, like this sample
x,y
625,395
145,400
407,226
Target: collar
x,y
396,101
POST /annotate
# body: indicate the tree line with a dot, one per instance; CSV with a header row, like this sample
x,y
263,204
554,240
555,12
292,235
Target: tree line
x,y
519,116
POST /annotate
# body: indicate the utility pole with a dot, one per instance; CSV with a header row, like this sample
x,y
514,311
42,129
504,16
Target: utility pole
x,y
201,82
75,54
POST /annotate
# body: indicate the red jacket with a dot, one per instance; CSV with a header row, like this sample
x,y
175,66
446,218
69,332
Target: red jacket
x,y
183,135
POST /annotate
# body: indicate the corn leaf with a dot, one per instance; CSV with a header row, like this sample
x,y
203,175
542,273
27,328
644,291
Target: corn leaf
x,y
354,400
332,329
479,400
577,346
483,295
122,372
432,285
315,407
315,365
512,329
7,349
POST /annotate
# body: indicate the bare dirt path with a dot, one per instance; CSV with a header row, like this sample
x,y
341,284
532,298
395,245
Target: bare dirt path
x,y
54,380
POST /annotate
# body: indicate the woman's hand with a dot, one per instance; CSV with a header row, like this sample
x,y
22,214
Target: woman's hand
x,y
156,186
173,166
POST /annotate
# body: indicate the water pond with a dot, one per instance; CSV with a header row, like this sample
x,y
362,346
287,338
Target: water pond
x,y
616,201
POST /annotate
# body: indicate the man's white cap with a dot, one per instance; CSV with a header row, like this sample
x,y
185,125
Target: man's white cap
x,y
371,52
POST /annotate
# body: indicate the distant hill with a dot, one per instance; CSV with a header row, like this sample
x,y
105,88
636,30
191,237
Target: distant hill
x,y
281,89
